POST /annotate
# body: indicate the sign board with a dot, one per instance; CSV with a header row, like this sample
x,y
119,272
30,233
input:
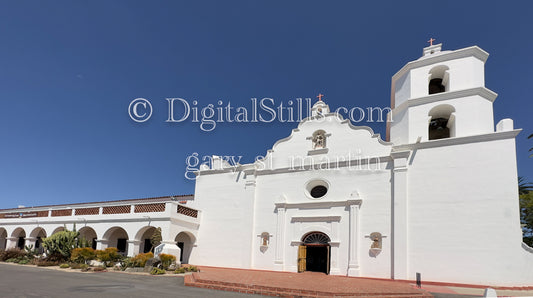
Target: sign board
x,y
22,214
12,215
158,250
32,214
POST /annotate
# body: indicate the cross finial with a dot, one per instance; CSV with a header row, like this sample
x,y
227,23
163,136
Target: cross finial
x,y
431,40
320,95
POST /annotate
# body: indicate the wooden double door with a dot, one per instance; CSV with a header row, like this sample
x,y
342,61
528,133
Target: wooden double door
x,y
314,258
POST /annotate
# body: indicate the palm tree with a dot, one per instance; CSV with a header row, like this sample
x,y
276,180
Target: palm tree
x,y
530,149
523,186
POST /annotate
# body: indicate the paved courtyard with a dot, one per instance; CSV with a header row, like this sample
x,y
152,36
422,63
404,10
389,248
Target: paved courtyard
x,y
29,281
25,281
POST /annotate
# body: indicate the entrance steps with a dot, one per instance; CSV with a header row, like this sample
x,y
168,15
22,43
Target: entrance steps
x,y
275,284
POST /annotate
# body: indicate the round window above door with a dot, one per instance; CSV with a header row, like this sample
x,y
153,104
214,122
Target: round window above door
x,y
316,189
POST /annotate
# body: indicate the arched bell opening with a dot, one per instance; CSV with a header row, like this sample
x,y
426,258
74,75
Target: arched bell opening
x,y
441,122
438,79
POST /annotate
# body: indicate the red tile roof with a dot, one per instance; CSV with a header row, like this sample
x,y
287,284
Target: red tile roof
x,y
142,200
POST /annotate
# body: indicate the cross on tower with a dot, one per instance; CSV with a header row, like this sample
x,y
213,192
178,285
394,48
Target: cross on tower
x,y
320,95
431,40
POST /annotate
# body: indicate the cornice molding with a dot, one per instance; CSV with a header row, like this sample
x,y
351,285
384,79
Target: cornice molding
x,y
481,91
459,140
318,204
325,218
473,51
81,221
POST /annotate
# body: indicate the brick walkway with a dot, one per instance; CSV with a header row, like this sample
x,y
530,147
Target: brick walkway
x,y
307,284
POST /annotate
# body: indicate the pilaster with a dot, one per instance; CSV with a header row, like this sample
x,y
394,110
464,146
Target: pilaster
x,y
399,240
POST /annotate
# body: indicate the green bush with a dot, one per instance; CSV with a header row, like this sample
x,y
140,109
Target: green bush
x,y
31,252
192,269
12,260
24,261
64,266
166,260
157,271
140,259
78,265
109,254
82,255
180,270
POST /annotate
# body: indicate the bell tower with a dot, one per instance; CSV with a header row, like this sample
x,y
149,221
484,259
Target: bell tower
x,y
441,95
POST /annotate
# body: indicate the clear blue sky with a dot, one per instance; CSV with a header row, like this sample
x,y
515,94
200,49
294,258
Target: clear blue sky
x,y
69,69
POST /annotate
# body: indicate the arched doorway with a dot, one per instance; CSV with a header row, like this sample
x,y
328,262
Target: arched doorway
x,y
38,234
3,239
314,253
89,234
144,236
185,241
117,237
58,229
20,235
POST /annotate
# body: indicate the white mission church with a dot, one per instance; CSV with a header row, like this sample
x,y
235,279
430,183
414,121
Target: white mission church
x,y
439,197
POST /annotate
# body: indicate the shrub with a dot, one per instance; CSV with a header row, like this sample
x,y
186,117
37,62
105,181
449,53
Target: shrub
x,y
56,258
31,252
24,261
192,269
157,271
180,270
45,263
99,269
77,265
83,267
109,254
12,260
140,259
166,260
82,255
64,266
12,253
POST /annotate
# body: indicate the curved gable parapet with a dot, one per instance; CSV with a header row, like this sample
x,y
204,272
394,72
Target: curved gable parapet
x,y
325,137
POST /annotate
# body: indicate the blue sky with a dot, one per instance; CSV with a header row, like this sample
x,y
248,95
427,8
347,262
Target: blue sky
x,y
69,69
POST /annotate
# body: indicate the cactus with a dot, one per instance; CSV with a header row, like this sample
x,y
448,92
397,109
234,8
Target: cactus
x,y
62,243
